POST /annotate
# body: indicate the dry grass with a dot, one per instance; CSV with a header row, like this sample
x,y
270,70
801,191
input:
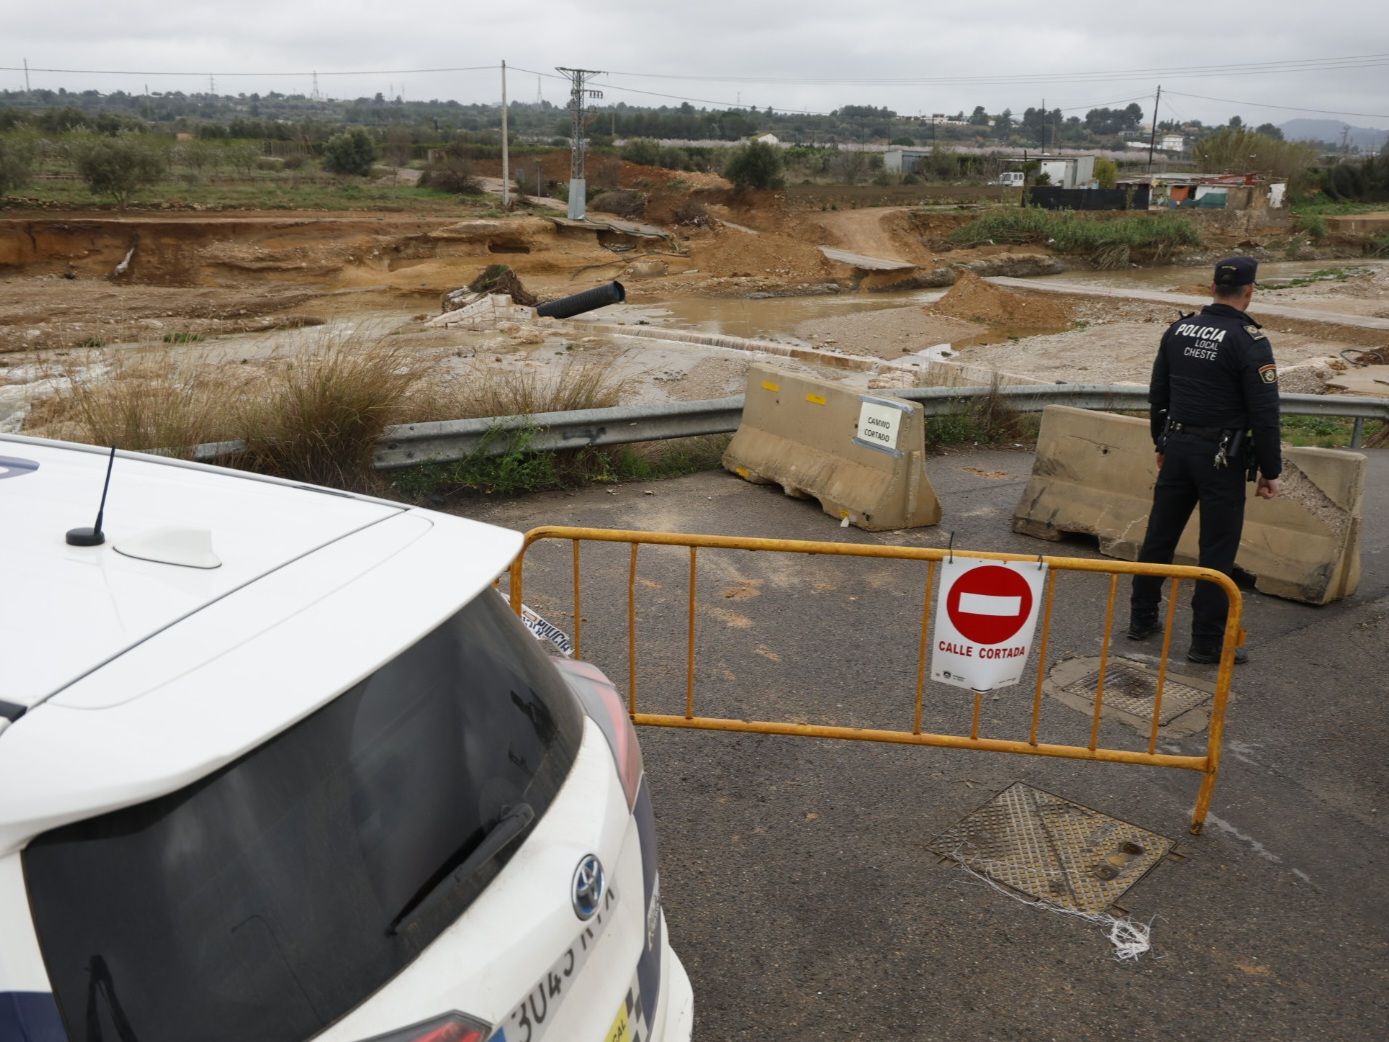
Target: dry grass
x,y
318,415
312,415
152,401
578,384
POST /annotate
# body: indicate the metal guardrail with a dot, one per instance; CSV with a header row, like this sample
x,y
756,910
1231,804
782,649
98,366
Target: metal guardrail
x,y
447,440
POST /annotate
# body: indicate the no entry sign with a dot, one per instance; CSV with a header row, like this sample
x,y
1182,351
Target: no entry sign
x,y
986,613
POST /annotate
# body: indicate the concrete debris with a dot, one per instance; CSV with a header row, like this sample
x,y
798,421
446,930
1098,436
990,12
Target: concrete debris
x,y
487,311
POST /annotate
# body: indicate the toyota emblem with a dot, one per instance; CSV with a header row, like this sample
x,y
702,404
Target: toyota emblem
x,y
588,886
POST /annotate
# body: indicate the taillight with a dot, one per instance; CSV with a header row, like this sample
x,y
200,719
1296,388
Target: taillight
x,y
453,1027
605,706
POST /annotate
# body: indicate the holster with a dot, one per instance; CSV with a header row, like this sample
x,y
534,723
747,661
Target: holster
x,y
1251,459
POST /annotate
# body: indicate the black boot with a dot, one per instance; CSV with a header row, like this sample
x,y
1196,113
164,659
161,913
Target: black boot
x,y
1208,654
1141,627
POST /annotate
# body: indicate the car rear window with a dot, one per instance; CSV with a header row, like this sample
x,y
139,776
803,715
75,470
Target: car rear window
x,y
268,899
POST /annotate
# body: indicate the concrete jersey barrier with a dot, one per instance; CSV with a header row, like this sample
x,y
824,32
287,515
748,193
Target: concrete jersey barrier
x,y
863,456
1094,475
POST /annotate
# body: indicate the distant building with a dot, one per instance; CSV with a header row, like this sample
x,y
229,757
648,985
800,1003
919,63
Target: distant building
x,y
1209,191
1172,143
768,139
1062,171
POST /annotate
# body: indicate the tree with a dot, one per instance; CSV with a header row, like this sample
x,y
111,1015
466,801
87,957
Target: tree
x,y
755,165
1003,124
1269,130
849,166
979,118
1106,172
1236,122
16,161
643,151
1233,149
351,152
117,166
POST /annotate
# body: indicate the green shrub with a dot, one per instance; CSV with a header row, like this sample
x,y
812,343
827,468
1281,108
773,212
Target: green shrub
x,y
117,166
1106,242
453,173
1313,225
755,165
1106,172
643,151
352,152
16,161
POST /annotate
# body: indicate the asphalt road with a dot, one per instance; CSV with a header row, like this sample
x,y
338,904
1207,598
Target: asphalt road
x,y
798,878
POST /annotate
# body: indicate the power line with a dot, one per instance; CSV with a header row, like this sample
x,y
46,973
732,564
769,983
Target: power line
x,y
305,72
1285,108
1282,65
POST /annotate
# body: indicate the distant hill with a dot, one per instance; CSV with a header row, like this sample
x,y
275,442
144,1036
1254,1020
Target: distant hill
x,y
1367,138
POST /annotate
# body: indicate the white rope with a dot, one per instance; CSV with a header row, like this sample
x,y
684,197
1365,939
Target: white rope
x,y
1130,939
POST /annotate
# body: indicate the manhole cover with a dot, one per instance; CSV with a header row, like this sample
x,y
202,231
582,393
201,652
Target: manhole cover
x,y
1132,688
1052,849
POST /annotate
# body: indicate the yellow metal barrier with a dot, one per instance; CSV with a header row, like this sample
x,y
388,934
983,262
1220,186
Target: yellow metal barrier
x,y
1208,764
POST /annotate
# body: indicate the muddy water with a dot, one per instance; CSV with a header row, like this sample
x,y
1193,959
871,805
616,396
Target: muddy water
x,y
772,318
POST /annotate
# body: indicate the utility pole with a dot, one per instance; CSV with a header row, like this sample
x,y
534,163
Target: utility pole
x,y
1152,140
26,75
211,84
577,94
506,151
316,95
1044,126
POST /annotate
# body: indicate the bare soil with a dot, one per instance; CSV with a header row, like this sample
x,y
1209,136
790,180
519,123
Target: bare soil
x,y
973,299
233,283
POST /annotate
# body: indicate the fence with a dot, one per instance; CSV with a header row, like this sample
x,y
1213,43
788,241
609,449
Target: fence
x,y
439,441
1207,764
1051,198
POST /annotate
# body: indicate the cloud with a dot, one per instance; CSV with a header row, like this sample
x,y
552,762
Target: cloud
x,y
808,54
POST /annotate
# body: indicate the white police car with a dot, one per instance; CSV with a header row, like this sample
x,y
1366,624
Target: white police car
x,y
277,764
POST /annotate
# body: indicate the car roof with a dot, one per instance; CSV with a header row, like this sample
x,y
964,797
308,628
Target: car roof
x,y
67,610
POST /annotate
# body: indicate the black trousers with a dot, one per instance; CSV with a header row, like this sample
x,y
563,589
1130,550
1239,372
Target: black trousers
x,y
1189,476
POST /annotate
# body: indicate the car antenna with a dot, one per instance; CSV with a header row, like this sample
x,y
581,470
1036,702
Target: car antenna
x,y
93,536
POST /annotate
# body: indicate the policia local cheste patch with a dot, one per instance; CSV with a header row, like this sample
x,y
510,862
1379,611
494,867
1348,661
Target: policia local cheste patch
x,y
1269,373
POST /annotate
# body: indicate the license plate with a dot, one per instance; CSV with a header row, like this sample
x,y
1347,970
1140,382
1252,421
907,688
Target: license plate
x,y
533,1015
547,632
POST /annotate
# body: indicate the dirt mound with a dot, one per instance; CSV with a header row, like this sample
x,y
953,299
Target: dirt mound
x,y
729,252
1193,289
973,299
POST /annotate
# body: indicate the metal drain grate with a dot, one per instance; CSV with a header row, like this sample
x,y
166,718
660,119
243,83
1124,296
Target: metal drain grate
x,y
1049,848
1131,687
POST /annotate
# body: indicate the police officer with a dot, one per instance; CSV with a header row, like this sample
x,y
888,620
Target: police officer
x,y
1214,381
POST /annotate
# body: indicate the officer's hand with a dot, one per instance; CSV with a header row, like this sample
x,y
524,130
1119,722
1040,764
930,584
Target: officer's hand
x,y
1267,488
1159,462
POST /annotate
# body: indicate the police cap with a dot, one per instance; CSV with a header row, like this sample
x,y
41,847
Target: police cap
x,y
1235,271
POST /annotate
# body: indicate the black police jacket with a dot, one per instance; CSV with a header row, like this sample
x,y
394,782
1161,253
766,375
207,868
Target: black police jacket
x,y
1216,370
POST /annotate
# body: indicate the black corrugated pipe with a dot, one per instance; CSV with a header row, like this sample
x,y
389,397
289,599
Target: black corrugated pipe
x,y
588,300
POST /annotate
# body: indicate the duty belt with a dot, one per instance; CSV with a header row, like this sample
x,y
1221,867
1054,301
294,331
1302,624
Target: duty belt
x,y
1212,433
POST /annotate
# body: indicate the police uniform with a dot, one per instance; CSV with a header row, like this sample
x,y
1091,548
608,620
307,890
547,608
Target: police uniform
x,y
1214,381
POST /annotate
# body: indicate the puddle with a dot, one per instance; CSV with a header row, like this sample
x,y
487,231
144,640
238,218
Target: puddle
x,y
770,318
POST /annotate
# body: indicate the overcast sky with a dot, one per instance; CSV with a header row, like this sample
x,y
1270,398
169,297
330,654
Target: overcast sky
x,y
790,54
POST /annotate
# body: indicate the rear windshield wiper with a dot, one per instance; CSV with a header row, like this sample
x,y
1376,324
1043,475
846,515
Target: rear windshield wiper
x,y
459,865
